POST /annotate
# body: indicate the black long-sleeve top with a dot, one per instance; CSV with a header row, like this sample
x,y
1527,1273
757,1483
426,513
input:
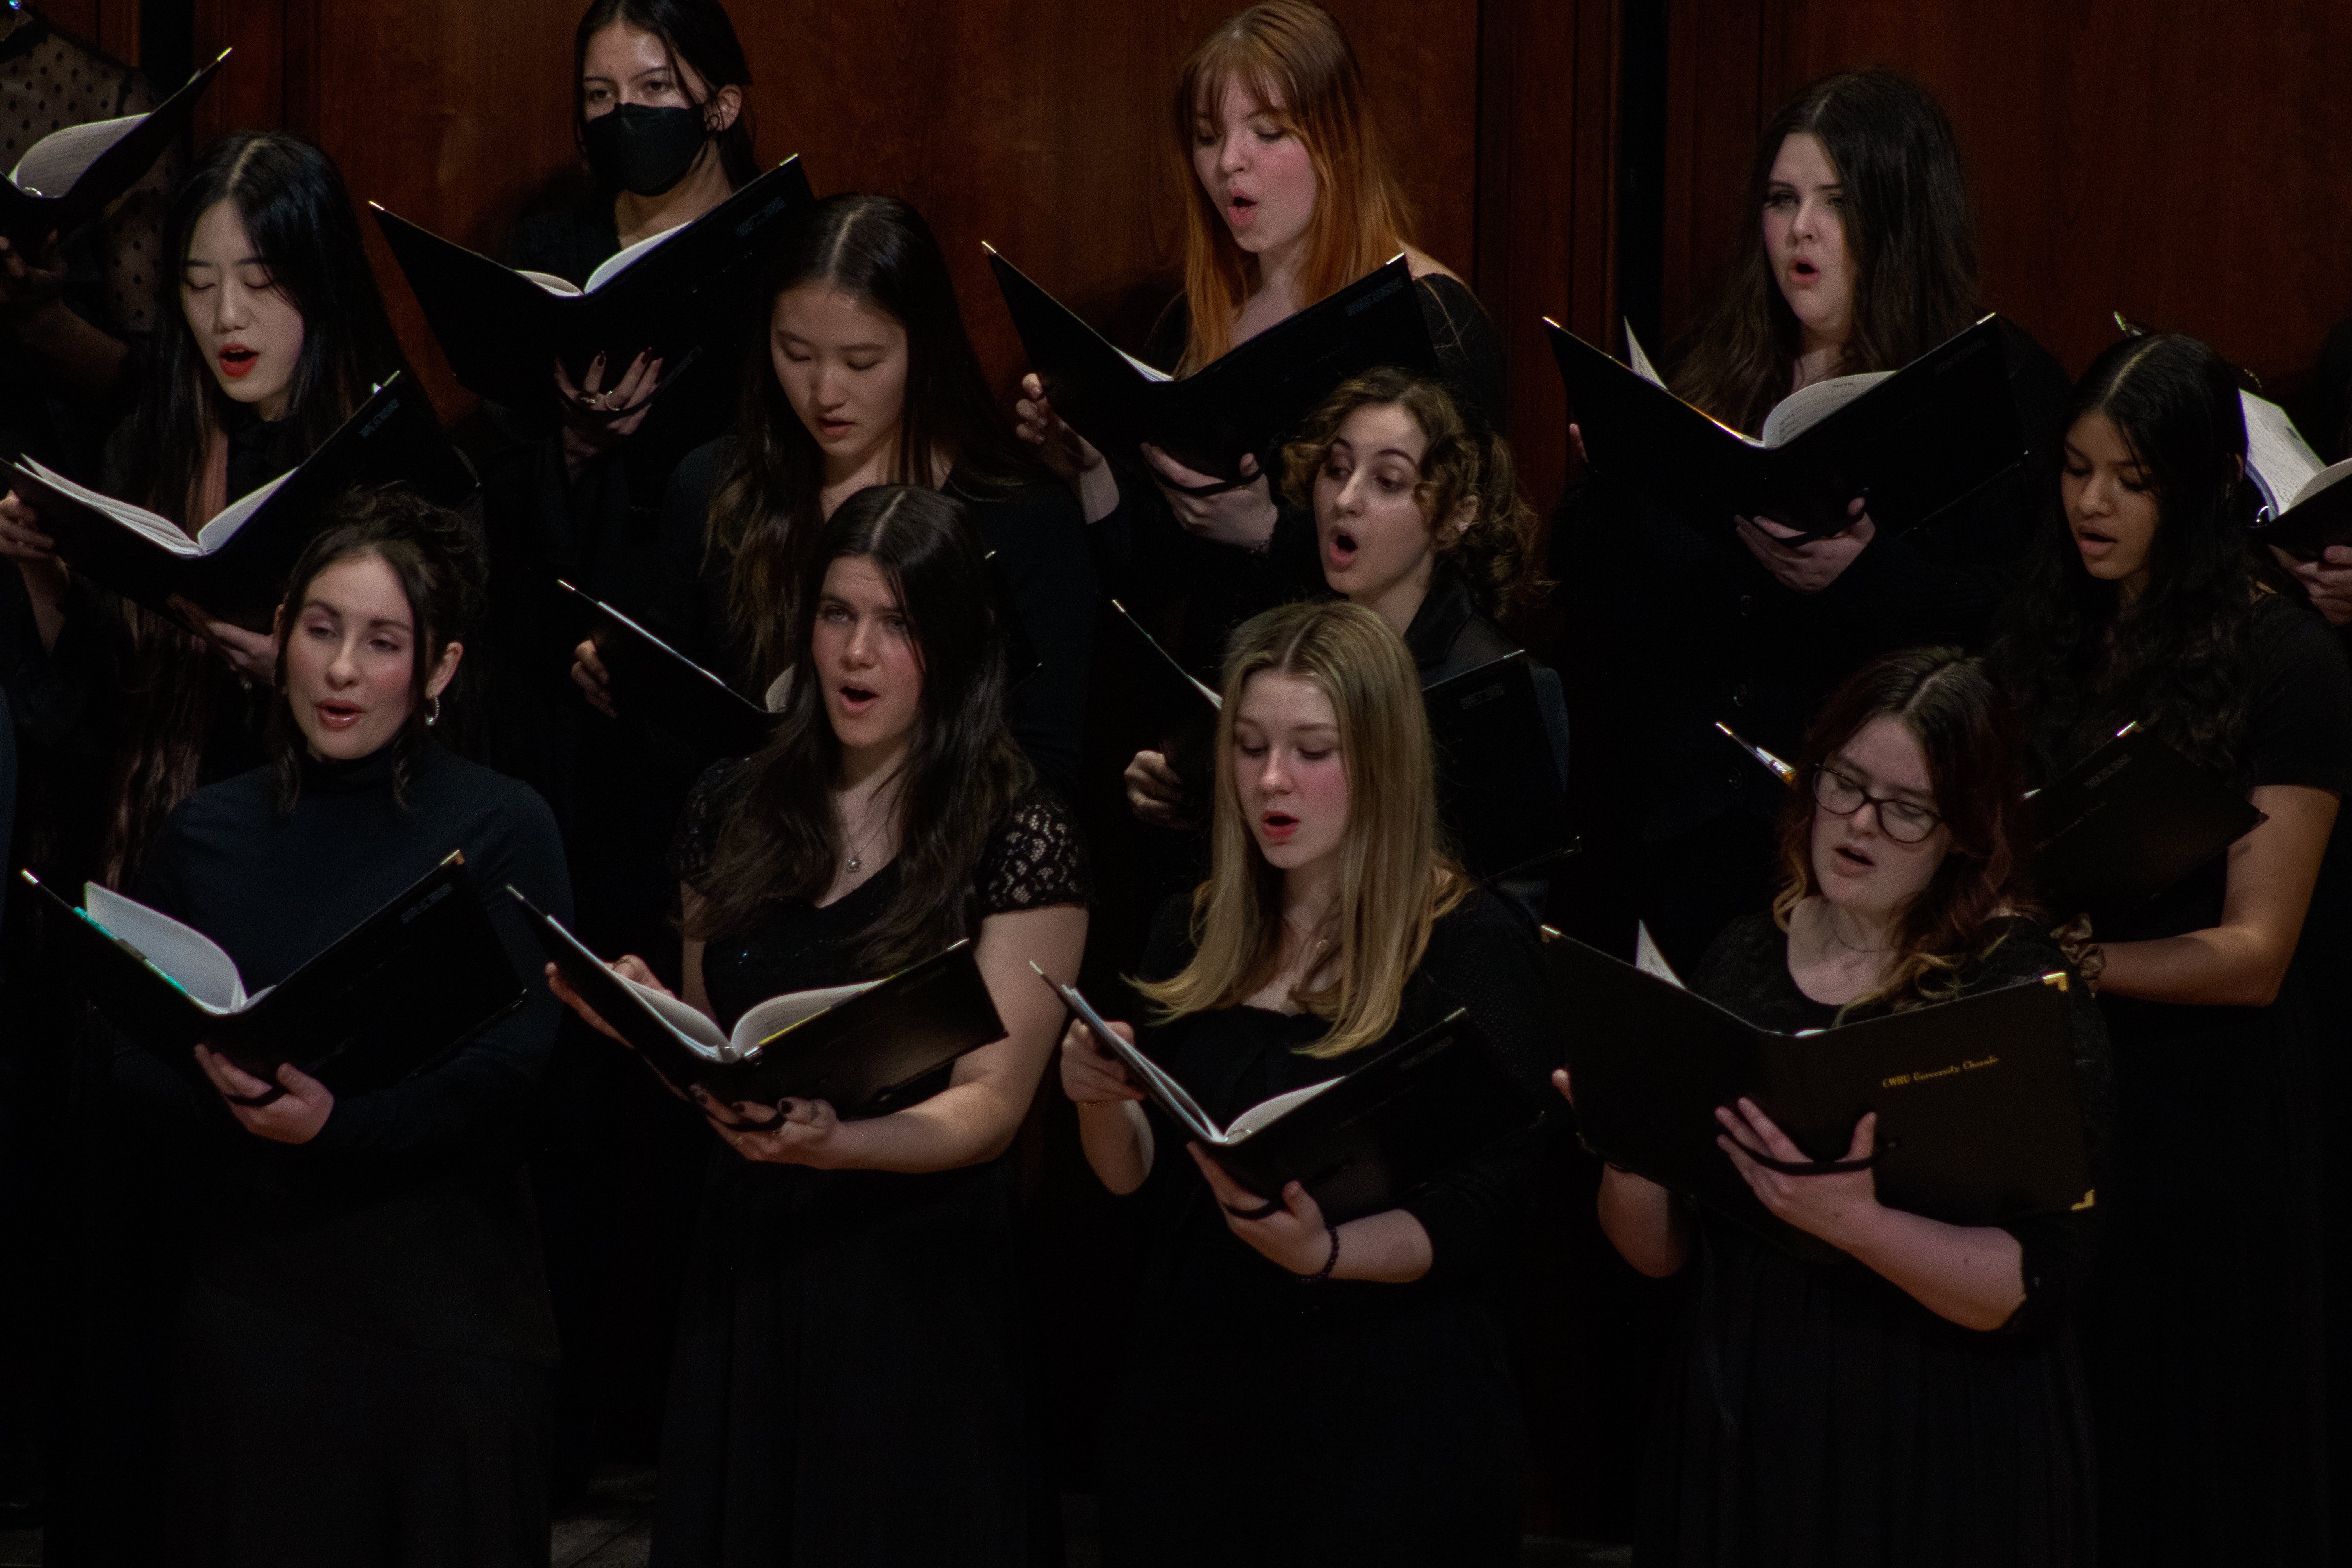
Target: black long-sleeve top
x,y
406,1219
1481,957
1150,562
1039,538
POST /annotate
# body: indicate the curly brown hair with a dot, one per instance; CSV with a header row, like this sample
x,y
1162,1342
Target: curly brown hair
x,y
1464,463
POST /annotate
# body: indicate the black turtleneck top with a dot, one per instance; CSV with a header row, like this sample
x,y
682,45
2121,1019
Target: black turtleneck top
x,y
407,1220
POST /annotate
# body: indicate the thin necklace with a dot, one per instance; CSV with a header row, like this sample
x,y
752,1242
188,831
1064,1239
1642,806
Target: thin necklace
x,y
1839,937
857,851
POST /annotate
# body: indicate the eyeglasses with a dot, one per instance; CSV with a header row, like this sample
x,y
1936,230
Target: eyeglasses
x,y
1898,819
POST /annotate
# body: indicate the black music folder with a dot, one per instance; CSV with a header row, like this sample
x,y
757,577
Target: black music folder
x,y
654,681
1911,442
503,330
2303,505
1498,788
1239,404
69,176
1978,1116
236,566
1360,1144
868,1048
2130,820
399,991
1180,708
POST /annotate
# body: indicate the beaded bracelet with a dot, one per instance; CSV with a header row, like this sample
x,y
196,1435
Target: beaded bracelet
x,y
1329,1264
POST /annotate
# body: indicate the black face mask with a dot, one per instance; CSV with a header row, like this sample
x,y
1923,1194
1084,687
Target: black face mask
x,y
643,149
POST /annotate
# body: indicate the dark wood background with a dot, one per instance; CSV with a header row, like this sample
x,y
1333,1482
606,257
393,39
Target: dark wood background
x,y
2183,164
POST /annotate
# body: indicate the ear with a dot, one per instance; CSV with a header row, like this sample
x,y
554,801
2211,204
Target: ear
x,y
445,669
2238,461
278,621
1447,534
720,109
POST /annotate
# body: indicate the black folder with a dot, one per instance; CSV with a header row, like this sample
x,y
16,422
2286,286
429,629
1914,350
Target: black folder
x,y
399,991
1978,1116
71,176
237,565
866,1050
654,681
1360,1144
503,333
1180,712
1498,787
2130,820
1929,436
1241,402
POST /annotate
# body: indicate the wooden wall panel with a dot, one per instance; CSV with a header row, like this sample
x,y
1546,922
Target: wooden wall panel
x,y
1548,161
1037,127
112,25
2179,162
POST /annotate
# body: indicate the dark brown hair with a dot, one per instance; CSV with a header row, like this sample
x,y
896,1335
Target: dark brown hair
x,y
1909,233
693,33
1976,763
782,834
298,216
1465,461
442,575
2178,658
765,515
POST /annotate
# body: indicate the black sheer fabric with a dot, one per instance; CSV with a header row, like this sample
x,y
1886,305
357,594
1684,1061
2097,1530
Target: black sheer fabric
x,y
1816,1416
2203,1333
1381,1419
824,1309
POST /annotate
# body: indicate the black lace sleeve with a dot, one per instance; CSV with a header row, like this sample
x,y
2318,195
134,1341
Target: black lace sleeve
x,y
1036,858
696,842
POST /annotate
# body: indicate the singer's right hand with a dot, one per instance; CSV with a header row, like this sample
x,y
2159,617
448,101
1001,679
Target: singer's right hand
x,y
1090,1075
594,681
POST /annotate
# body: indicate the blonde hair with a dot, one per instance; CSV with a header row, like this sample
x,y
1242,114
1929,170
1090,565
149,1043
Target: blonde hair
x,y
1395,878
1293,58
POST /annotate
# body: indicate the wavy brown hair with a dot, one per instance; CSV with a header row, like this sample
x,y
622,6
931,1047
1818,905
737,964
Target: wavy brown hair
x,y
1465,463
782,834
1976,762
1294,60
2180,658
1396,877
1909,232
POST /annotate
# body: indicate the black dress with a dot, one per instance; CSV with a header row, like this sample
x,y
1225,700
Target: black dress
x,y
1817,1416
1683,628
1040,541
1258,1421
849,1384
359,1361
2203,1335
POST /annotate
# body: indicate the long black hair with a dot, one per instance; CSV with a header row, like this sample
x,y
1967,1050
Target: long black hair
x,y
2176,659
693,33
879,251
1910,237
782,835
298,216
442,574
